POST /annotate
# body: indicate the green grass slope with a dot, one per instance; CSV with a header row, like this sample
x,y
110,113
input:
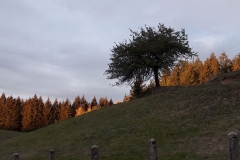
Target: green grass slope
x,y
5,135
187,123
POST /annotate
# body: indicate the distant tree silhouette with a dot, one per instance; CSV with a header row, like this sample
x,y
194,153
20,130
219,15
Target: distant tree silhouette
x,y
110,102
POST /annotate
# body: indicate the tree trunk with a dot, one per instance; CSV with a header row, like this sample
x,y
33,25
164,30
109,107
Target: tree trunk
x,y
156,77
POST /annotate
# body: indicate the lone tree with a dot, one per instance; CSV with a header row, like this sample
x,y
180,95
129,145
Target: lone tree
x,y
147,54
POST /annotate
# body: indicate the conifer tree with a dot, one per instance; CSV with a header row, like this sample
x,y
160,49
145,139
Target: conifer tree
x,y
137,88
174,78
94,102
106,102
110,102
197,68
63,113
18,118
40,117
225,63
7,111
13,115
84,103
71,111
33,114
236,62
77,102
2,109
210,69
48,114
214,65
183,74
101,102
66,110
56,110
204,72
29,113
194,74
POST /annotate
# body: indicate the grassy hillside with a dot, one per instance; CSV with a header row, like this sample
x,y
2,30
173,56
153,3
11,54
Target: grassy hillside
x,y
187,123
5,135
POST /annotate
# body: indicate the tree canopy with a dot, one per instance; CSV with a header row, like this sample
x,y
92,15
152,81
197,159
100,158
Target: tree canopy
x,y
147,54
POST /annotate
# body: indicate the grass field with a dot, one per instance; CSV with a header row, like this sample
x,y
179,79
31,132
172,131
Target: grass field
x,y
187,123
5,135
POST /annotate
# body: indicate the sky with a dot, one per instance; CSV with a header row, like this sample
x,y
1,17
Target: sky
x,y
61,48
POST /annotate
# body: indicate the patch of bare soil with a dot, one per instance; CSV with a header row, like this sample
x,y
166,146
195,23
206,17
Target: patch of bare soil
x,y
227,78
159,90
231,79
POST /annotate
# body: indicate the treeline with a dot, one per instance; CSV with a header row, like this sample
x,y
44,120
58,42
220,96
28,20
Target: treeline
x,y
194,72
33,113
197,72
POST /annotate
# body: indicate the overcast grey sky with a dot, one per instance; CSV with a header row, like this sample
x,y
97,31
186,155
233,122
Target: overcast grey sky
x,y
61,48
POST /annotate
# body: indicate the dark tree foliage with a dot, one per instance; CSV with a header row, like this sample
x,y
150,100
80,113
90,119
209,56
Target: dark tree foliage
x,y
48,117
110,102
103,102
84,103
66,110
2,105
225,63
77,102
148,52
94,102
137,88
12,114
56,110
